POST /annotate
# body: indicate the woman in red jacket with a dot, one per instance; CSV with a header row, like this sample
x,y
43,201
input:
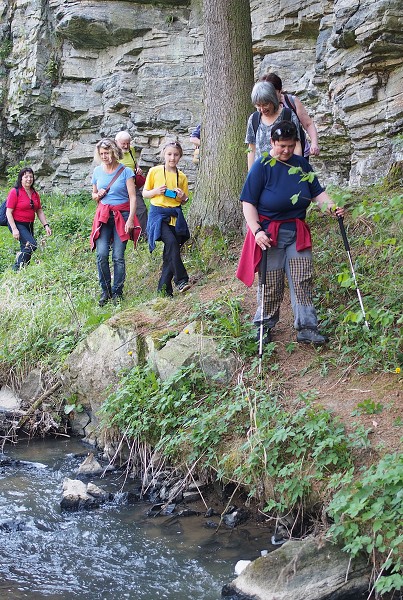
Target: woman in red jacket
x,y
23,203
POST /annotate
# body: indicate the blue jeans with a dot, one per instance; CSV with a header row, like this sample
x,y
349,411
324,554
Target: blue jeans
x,y
109,238
28,244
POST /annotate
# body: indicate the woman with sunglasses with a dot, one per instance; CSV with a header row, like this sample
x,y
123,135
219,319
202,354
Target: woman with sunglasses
x,y
23,203
115,220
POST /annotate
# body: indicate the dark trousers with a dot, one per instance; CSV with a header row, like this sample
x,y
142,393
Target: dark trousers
x,y
141,212
172,265
28,243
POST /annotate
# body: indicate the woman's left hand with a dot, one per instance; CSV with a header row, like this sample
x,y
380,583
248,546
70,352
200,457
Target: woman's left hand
x,y
337,211
180,194
129,225
48,230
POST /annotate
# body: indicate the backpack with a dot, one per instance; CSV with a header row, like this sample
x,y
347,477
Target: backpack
x,y
3,218
302,136
256,118
3,208
285,116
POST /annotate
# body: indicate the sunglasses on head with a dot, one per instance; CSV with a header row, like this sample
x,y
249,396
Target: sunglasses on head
x,y
284,132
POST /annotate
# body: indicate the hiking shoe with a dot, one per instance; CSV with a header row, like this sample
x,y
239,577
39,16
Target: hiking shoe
x,y
182,286
105,297
117,299
311,336
266,335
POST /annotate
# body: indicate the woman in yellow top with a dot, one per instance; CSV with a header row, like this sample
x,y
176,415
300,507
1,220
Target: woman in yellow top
x,y
167,188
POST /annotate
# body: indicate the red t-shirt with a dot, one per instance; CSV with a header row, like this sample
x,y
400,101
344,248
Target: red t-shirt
x,y
21,205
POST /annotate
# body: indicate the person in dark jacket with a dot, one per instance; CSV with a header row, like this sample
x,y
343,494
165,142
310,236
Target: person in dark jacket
x,y
274,205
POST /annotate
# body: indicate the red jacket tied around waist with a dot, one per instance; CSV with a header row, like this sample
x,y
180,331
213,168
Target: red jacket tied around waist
x,y
102,216
251,254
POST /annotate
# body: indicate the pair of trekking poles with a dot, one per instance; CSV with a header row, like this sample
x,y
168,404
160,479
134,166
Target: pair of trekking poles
x,y
263,270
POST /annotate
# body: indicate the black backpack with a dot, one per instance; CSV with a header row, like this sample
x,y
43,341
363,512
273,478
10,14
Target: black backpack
x,y
285,116
3,208
3,218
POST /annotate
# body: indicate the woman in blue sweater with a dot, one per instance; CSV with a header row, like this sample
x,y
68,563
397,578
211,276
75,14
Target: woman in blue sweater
x,y
274,206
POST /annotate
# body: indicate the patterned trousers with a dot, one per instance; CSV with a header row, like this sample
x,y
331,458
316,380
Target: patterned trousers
x,y
297,266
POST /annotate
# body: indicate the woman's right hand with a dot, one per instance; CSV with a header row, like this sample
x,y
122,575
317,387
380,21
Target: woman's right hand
x,y
16,234
262,240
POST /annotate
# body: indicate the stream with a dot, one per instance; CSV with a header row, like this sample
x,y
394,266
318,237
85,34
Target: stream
x,y
114,552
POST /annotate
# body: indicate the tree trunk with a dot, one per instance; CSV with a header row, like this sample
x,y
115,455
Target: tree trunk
x,y
228,81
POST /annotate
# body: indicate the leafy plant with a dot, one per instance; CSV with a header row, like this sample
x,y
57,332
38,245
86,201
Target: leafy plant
x,y
368,516
368,407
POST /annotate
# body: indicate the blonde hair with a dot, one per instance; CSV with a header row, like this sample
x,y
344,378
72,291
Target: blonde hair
x,y
110,145
173,143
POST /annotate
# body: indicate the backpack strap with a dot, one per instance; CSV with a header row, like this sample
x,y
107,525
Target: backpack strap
x,y
114,178
133,159
286,114
290,103
256,118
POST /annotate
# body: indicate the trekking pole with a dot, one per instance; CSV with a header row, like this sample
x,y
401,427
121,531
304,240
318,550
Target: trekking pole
x,y
263,269
347,247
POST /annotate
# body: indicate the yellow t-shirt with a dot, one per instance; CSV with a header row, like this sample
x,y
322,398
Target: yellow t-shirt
x,y
128,160
157,176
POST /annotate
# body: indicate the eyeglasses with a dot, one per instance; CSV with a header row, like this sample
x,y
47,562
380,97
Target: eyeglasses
x,y
266,108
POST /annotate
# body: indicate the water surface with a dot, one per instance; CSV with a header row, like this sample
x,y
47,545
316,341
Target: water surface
x,y
114,552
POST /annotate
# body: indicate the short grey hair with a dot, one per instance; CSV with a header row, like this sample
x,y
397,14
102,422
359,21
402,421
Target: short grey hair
x,y
264,93
122,135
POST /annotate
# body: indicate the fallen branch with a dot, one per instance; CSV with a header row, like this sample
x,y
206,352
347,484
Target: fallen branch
x,y
37,402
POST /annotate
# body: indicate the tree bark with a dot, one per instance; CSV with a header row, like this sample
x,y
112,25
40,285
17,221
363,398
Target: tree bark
x,y
228,81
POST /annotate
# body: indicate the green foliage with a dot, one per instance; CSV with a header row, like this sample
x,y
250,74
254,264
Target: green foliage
x,y
224,321
374,229
368,516
72,405
184,417
292,452
368,407
12,172
6,47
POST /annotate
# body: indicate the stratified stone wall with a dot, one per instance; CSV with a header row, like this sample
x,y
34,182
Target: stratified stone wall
x,y
73,72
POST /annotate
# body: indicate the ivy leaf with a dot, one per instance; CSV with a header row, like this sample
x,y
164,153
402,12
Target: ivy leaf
x,y
295,197
294,170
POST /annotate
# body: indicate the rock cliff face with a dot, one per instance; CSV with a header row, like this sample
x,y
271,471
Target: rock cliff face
x,y
73,71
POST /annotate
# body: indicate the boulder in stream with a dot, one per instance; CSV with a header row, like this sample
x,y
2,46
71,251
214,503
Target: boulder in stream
x,y
78,495
302,570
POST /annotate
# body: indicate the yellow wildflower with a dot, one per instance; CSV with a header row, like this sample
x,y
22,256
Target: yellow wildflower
x,y
397,370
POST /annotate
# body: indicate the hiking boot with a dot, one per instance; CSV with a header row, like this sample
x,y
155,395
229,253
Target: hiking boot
x,y
117,299
266,335
105,297
182,286
311,336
